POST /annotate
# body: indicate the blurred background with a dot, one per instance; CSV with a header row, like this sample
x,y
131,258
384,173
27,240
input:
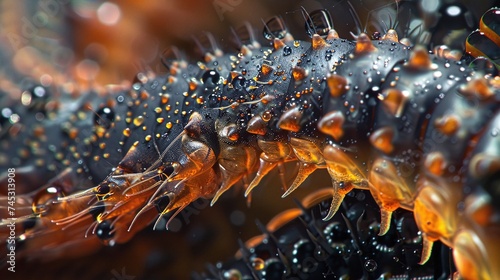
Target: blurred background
x,y
94,43
109,41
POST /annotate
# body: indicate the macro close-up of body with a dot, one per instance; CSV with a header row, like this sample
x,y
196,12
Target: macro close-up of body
x,y
234,139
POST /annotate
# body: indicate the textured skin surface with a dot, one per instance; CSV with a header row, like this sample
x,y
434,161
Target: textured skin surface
x,y
290,86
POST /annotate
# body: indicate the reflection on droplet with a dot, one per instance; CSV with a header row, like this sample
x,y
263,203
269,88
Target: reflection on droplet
x,y
104,117
139,120
453,11
370,265
494,132
287,51
258,264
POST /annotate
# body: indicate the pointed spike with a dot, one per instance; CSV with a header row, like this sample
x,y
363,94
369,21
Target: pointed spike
x,y
290,120
270,235
264,168
426,250
364,45
219,192
209,57
262,227
234,163
174,69
318,42
318,242
391,35
318,237
436,164
339,192
193,85
448,124
288,38
385,221
332,124
382,139
419,59
305,169
406,41
299,73
332,34
266,69
394,101
245,50
278,44
255,45
363,222
477,87
172,79
305,213
230,133
286,263
336,84
218,52
234,74
255,182
388,189
257,125
245,253
334,206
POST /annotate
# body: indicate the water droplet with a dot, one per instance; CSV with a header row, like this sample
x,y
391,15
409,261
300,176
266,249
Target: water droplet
x,y
232,274
138,120
370,265
287,51
120,98
126,132
104,117
238,82
258,264
211,76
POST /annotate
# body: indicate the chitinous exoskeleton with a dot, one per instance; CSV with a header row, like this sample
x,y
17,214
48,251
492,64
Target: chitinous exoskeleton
x,y
418,130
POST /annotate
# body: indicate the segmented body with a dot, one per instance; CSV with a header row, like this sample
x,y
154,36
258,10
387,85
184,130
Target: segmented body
x,y
417,130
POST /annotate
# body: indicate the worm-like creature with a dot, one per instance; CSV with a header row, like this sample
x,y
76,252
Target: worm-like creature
x,y
417,130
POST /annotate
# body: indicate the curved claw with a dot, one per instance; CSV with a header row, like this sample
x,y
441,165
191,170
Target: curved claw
x,y
264,168
426,250
219,192
334,206
339,192
305,169
385,221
